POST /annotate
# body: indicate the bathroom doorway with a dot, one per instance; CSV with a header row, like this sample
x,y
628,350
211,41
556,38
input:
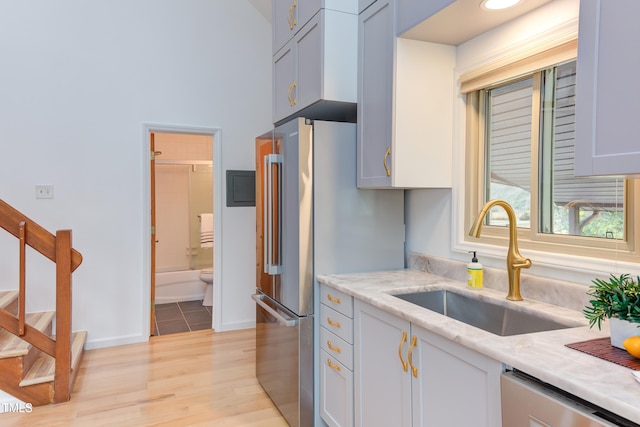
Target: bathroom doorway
x,y
182,230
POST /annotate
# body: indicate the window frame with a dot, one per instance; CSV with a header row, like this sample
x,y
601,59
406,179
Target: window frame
x,y
623,250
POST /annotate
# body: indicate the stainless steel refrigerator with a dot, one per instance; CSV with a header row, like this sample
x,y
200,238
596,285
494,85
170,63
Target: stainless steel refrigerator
x,y
311,219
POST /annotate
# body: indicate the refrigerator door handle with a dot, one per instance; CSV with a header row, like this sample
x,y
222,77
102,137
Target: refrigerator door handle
x,y
281,320
270,267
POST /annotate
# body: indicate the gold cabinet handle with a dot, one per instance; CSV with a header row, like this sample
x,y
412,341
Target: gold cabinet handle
x,y
293,17
402,341
332,366
333,299
293,98
414,342
289,95
290,17
333,323
386,154
331,347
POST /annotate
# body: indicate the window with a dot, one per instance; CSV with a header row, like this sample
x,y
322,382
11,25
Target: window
x,y
520,148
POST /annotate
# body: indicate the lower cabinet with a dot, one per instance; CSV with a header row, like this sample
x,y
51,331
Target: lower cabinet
x,y
405,375
336,358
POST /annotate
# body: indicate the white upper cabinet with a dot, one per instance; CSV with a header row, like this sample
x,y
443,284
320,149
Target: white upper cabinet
x,y
405,105
607,105
413,12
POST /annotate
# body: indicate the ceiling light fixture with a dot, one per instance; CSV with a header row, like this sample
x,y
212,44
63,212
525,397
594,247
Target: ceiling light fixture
x,y
498,4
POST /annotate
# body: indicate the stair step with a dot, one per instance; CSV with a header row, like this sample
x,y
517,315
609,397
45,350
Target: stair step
x,y
13,346
44,368
7,298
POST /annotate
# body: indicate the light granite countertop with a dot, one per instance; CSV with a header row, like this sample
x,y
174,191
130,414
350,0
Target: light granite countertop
x,y
543,354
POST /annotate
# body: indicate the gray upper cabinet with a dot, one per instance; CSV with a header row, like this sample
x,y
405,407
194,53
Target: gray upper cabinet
x,y
607,105
375,77
413,12
405,106
318,63
289,16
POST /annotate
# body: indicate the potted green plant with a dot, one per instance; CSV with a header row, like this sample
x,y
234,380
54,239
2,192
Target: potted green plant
x,y
618,300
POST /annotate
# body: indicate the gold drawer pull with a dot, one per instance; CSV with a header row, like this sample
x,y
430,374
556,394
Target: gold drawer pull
x,y
333,323
402,341
414,342
332,366
333,299
331,347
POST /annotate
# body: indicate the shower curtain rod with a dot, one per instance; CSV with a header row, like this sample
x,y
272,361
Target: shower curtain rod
x,y
184,162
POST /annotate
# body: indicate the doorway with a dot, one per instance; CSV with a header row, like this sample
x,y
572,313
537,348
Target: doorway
x,y
182,217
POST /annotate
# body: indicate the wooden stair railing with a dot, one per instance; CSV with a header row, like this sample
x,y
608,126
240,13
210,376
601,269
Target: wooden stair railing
x,y
58,249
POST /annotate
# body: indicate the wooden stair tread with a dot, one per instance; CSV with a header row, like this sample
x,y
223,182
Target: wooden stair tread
x,y
7,297
44,368
13,346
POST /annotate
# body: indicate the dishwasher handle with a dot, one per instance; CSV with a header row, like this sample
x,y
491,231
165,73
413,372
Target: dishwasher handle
x,y
281,319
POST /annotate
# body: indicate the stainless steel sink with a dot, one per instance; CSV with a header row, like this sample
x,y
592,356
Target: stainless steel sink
x,y
494,318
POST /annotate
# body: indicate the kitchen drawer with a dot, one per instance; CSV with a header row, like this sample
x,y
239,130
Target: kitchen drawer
x,y
337,300
336,392
336,347
337,323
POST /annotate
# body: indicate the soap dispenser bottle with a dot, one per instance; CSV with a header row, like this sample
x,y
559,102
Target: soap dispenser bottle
x,y
474,273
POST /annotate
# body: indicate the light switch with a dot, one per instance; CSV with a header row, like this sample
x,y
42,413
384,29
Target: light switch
x,y
44,191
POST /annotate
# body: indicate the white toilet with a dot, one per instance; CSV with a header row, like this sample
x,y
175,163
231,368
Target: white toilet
x,y
206,275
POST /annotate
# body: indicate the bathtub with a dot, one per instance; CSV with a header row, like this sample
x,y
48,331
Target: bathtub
x,y
175,286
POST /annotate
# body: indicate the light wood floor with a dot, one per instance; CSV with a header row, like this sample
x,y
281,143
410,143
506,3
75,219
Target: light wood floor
x,y
192,379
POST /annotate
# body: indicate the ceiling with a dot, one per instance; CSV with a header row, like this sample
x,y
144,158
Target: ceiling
x,y
263,6
465,19
453,25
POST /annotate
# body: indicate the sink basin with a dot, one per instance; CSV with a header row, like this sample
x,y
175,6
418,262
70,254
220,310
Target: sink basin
x,y
494,318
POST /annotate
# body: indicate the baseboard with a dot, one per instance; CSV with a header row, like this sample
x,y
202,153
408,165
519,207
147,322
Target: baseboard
x,y
234,326
112,342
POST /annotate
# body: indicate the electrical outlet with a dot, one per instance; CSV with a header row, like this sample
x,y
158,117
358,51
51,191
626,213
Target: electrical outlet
x,y
44,191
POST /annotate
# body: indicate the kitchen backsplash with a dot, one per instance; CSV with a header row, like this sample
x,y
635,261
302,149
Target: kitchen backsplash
x,y
564,294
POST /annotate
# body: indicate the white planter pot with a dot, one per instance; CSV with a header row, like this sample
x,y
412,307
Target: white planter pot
x,y
621,330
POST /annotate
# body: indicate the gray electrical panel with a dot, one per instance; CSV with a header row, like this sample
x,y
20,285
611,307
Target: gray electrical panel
x,y
241,188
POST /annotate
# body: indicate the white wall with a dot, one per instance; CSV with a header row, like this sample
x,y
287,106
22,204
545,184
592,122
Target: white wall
x,y
434,217
78,80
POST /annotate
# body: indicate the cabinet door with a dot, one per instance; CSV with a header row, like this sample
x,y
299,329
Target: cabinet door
x,y
375,83
449,377
607,106
284,21
306,9
336,388
309,64
284,82
382,386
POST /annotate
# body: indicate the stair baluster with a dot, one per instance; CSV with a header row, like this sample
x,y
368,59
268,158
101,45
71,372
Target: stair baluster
x,y
23,281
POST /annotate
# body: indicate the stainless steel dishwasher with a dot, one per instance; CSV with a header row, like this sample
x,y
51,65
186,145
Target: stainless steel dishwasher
x,y
528,402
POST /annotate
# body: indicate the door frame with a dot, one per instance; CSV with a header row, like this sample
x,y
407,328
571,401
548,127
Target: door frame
x,y
215,133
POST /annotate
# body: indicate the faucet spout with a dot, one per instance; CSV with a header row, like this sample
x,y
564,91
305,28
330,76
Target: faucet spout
x,y
515,261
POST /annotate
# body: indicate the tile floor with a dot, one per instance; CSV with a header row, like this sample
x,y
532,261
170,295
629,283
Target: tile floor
x,y
182,316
